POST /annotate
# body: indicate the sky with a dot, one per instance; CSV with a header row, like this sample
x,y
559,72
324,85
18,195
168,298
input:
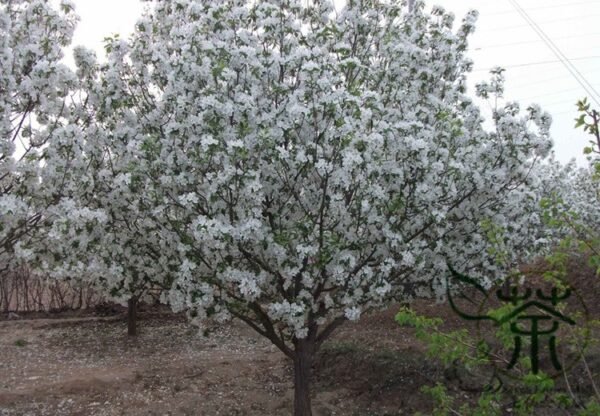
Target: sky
x,y
503,38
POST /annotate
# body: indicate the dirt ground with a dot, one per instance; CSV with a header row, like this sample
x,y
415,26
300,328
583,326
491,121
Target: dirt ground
x,y
86,365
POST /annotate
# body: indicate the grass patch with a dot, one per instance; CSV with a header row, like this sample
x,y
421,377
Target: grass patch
x,y
21,343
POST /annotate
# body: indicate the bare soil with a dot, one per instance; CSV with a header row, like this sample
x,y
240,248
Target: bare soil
x,y
86,365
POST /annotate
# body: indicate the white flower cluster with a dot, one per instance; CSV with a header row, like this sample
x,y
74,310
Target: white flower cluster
x,y
308,175
277,163
34,85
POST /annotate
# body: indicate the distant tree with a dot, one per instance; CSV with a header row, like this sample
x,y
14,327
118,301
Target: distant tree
x,y
572,209
313,166
103,230
34,90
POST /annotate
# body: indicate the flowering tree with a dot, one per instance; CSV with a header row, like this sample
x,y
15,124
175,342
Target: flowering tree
x,y
64,179
572,203
104,230
34,87
317,165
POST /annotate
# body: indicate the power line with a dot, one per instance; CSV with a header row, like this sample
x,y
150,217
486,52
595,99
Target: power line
x,y
550,94
552,61
554,6
544,105
556,103
581,80
499,45
574,112
545,80
563,19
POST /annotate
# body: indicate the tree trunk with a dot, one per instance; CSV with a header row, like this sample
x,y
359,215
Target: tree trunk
x,y
132,316
303,357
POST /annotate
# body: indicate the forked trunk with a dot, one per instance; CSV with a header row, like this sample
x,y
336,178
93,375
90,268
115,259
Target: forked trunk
x,y
132,316
303,357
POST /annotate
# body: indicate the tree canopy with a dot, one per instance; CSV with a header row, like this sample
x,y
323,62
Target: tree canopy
x,y
275,161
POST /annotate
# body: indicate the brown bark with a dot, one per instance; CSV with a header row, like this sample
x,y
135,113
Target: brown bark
x,y
132,316
303,357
